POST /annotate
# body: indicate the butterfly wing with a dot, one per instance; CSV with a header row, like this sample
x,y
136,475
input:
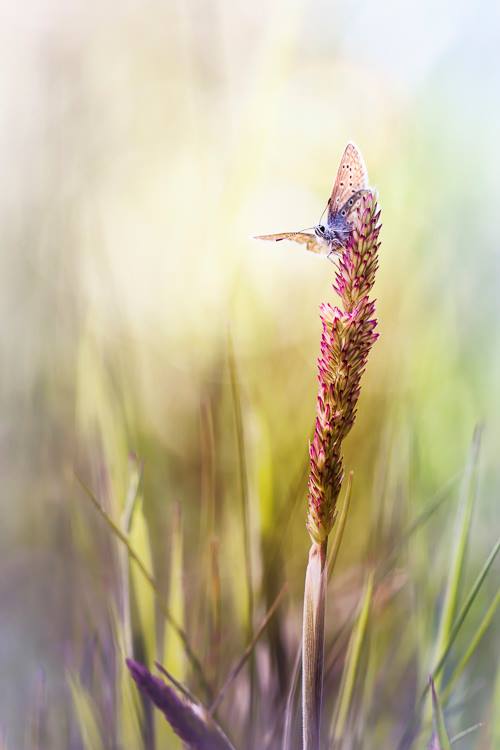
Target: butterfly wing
x,y
348,208
311,242
352,177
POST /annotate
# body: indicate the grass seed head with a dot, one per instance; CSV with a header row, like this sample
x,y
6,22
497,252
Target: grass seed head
x,y
347,336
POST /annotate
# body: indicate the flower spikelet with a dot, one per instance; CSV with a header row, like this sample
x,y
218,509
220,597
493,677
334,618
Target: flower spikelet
x,y
347,336
189,721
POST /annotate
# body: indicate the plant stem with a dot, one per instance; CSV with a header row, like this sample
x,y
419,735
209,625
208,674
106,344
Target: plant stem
x,y
313,637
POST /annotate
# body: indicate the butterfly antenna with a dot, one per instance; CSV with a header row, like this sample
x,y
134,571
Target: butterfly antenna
x,y
324,211
307,229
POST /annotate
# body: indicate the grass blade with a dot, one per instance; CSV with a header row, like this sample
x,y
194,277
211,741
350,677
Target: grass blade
x,y
143,595
245,514
86,715
338,529
463,524
481,630
290,702
190,654
247,652
465,608
215,601
171,652
438,499
132,720
240,443
313,642
178,685
465,733
495,730
135,475
440,727
352,662
134,483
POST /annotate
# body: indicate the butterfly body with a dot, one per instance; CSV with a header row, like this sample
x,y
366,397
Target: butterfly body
x,y
350,184
338,228
335,230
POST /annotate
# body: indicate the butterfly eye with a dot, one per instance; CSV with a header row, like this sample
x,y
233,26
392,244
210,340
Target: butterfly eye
x,y
321,227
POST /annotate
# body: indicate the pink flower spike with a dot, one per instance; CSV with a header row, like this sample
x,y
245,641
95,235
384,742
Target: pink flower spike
x,y
346,340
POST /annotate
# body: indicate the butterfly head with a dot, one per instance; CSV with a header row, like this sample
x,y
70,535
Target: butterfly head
x,y
320,230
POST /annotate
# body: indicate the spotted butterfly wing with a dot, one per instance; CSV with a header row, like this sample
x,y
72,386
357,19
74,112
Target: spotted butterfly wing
x,y
309,240
350,183
348,208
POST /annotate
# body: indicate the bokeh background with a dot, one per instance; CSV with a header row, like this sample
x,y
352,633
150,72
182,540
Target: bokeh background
x,y
141,147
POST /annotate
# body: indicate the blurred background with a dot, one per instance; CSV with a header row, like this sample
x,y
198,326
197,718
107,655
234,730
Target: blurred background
x,y
142,145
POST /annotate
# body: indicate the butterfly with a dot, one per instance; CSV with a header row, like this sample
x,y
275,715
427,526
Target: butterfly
x,y
350,184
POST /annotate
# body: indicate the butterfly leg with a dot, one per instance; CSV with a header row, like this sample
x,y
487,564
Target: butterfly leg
x,y
336,248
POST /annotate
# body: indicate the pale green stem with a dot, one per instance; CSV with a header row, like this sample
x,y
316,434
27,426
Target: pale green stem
x,y
313,638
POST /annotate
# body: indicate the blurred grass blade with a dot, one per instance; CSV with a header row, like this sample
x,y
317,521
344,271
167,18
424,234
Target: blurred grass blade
x,y
496,718
86,714
236,669
288,724
135,474
465,733
350,672
465,609
460,537
132,720
291,504
313,643
134,482
338,529
130,715
245,515
172,655
440,728
434,504
178,685
242,466
481,630
210,585
215,601
195,662
439,497
143,595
